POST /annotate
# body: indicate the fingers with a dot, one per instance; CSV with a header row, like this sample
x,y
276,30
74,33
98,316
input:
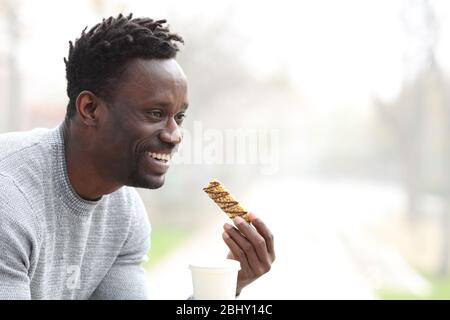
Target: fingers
x,y
246,248
257,241
237,252
266,233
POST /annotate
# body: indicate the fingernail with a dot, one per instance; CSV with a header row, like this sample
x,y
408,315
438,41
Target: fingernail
x,y
225,235
251,216
226,226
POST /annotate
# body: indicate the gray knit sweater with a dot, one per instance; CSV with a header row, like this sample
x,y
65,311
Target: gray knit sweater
x,y
54,244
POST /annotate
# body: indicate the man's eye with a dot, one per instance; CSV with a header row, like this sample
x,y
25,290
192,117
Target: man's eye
x,y
180,117
156,114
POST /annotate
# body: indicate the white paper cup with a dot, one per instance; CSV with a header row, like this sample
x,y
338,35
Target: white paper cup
x,y
215,280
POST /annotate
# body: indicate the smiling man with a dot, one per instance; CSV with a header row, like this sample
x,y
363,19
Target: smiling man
x,y
72,225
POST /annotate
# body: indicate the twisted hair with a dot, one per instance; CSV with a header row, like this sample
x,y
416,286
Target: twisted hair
x,y
99,57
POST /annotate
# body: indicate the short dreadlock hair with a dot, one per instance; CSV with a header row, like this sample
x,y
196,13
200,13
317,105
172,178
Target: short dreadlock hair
x,y
99,57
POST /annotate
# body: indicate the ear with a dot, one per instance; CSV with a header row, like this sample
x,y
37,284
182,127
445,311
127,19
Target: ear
x,y
88,108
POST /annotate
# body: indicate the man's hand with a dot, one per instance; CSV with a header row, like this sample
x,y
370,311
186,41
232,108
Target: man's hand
x,y
252,245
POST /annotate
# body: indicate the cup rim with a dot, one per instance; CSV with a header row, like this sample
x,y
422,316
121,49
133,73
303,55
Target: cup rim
x,y
216,265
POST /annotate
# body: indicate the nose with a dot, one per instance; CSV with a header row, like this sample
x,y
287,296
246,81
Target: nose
x,y
172,132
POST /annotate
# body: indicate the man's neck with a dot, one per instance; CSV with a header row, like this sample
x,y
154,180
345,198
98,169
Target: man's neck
x,y
85,179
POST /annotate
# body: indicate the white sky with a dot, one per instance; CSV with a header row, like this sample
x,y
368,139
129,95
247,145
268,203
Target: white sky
x,y
336,52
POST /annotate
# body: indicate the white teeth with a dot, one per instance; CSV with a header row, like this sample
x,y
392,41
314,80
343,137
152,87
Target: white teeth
x,y
160,156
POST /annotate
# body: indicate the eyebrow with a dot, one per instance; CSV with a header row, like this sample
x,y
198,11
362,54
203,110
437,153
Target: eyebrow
x,y
166,105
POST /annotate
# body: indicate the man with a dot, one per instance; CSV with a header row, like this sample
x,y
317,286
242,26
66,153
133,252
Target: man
x,y
72,225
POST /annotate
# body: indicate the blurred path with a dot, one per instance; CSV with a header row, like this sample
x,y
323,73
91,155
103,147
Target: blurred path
x,y
171,278
323,251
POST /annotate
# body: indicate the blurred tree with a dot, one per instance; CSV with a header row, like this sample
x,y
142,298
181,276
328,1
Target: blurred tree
x,y
405,116
212,63
419,120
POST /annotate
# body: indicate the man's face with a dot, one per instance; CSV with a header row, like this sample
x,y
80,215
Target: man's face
x,y
142,124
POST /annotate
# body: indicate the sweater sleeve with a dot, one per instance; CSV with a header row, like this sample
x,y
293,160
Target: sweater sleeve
x,y
126,280
18,240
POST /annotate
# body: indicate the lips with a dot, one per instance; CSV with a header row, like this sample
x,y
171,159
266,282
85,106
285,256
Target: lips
x,y
158,163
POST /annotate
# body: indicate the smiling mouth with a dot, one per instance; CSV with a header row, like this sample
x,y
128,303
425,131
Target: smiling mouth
x,y
160,156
